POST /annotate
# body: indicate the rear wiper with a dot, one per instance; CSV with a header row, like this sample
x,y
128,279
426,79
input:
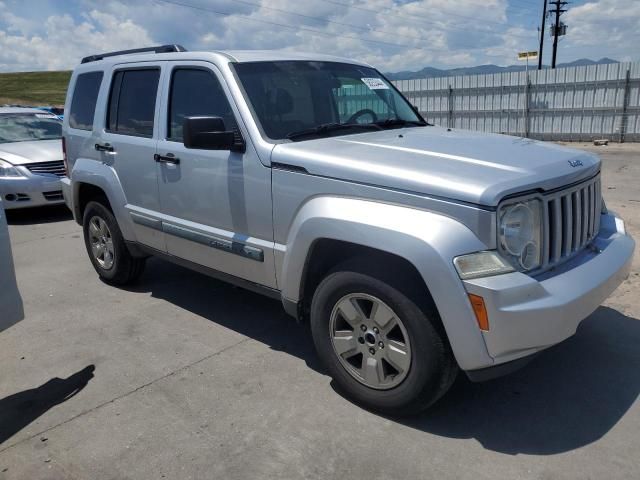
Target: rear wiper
x,y
399,122
332,127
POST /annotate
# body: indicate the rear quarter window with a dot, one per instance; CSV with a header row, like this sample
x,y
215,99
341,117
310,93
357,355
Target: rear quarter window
x,y
83,103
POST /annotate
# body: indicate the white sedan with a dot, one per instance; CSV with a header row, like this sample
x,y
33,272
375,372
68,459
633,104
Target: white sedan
x,y
31,159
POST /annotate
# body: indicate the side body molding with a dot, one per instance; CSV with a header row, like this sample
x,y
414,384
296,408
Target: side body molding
x,y
426,239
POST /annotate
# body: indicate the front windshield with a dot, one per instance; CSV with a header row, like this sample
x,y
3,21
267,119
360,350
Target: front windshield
x,y
292,97
23,127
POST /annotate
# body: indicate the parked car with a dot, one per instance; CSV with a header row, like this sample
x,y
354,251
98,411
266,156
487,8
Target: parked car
x,y
30,158
57,111
413,250
10,302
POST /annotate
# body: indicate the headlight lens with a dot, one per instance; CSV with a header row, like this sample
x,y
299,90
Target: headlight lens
x,y
481,264
520,233
8,170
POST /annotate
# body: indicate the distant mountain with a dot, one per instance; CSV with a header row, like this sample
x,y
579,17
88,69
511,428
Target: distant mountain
x,y
585,61
484,69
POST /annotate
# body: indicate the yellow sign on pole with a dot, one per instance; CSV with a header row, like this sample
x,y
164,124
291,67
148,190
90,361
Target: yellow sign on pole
x,y
527,55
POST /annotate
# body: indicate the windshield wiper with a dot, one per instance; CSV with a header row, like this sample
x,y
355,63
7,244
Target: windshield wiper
x,y
332,127
399,122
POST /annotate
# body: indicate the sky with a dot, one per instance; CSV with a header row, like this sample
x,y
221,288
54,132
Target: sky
x,y
393,35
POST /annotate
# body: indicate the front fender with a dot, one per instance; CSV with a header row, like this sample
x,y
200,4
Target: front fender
x,y
101,175
428,240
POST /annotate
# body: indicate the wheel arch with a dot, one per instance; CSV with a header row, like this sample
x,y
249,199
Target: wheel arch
x,y
326,255
88,192
416,240
94,180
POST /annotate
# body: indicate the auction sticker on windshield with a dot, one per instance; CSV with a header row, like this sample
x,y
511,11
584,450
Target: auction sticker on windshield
x,y
375,83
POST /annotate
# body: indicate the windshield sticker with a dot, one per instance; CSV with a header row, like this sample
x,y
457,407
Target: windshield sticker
x,y
375,84
45,115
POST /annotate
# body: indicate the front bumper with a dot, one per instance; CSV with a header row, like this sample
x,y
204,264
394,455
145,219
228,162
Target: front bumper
x,y
529,314
31,191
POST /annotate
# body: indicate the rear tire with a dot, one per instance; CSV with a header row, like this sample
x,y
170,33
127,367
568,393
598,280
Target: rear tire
x,y
106,247
400,386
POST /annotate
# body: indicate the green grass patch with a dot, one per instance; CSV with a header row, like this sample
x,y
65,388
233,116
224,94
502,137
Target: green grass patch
x,y
34,88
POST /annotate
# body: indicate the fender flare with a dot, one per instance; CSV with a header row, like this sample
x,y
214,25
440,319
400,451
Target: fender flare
x,y
98,174
428,240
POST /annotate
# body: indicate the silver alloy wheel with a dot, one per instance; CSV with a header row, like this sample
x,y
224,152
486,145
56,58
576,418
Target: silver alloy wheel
x,y
370,341
101,242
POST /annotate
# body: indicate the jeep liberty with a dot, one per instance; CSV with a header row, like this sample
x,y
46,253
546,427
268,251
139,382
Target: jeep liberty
x,y
414,251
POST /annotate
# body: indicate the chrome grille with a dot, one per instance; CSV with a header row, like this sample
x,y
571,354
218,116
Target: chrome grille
x,y
55,167
571,220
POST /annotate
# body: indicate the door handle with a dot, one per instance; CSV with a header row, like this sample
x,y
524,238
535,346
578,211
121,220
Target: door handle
x,y
168,158
106,147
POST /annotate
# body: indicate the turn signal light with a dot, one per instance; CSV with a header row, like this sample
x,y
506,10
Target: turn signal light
x,y
477,303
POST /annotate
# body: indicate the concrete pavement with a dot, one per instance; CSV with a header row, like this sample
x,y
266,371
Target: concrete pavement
x,y
187,377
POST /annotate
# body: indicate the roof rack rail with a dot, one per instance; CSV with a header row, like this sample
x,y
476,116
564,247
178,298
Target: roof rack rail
x,y
158,49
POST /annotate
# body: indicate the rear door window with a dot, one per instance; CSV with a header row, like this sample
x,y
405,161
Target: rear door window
x,y
132,102
83,104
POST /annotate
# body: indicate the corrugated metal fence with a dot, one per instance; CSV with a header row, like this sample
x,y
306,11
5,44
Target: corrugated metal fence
x,y
572,104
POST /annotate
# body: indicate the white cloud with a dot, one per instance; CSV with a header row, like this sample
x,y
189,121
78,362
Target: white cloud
x,y
63,41
392,34
604,27
383,32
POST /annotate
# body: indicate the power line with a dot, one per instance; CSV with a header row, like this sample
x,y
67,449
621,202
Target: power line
x,y
434,22
369,29
312,31
284,25
421,18
297,28
366,29
513,4
523,3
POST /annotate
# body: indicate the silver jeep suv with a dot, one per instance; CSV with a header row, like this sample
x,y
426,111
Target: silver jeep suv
x,y
413,251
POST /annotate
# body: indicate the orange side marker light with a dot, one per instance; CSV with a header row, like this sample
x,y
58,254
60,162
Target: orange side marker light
x,y
477,303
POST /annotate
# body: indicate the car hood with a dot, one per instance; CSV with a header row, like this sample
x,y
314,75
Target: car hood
x,y
22,153
473,167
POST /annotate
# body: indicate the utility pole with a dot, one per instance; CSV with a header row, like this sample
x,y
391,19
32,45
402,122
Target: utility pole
x,y
544,17
558,28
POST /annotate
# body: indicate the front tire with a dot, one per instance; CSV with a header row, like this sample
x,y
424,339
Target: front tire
x,y
381,349
106,247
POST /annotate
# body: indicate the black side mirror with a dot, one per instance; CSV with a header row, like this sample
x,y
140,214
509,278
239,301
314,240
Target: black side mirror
x,y
209,133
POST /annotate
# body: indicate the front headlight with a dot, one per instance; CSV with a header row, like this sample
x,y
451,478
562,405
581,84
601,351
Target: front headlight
x,y
481,264
520,233
8,170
